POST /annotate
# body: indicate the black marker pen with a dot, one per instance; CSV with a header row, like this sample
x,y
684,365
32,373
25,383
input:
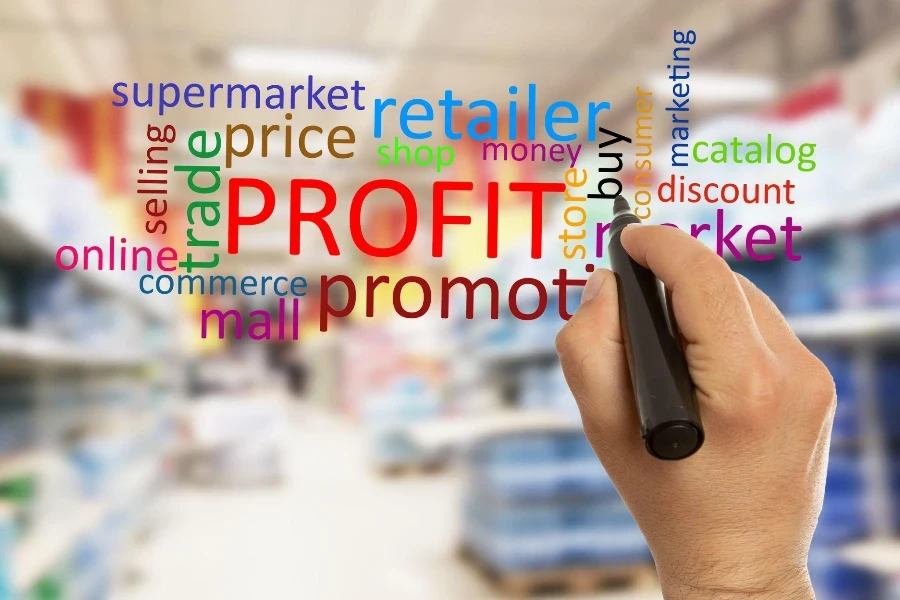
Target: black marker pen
x,y
663,389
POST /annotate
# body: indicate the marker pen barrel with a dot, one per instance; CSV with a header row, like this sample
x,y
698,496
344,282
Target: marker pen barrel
x,y
663,389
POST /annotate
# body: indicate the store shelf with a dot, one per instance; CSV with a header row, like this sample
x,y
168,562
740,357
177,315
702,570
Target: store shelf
x,y
19,464
826,222
42,549
444,433
19,241
27,349
870,207
516,354
872,323
879,556
138,482
852,325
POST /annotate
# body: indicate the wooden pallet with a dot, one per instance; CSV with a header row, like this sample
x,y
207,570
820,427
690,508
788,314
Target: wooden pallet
x,y
566,580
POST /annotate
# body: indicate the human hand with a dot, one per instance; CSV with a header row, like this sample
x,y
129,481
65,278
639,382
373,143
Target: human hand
x,y
735,520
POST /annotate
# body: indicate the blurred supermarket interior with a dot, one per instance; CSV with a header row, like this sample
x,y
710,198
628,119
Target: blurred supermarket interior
x,y
394,458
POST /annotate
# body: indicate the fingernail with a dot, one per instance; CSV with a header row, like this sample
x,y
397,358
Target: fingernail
x,y
593,285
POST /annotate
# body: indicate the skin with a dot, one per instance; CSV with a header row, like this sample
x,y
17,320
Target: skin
x,y
735,520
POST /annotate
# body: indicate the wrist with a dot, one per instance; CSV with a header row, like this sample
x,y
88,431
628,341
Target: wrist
x,y
795,586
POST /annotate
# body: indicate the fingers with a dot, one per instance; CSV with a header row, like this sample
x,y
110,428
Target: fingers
x,y
708,301
593,360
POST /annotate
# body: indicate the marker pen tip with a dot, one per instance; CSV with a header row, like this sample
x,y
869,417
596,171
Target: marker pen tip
x,y
620,204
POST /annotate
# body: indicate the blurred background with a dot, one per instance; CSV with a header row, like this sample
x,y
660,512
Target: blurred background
x,y
392,458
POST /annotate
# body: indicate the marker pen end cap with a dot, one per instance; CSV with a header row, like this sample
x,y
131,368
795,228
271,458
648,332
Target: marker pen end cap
x,y
675,441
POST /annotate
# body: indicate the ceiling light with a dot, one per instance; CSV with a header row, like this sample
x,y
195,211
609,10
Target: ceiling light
x,y
282,61
724,88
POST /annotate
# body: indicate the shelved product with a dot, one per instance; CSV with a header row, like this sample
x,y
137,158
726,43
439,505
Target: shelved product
x,y
85,410
540,503
841,300
235,439
834,579
538,509
387,416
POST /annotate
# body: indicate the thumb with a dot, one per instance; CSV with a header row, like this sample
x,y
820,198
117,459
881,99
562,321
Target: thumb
x,y
593,359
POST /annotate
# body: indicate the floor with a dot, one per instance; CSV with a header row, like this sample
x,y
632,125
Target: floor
x,y
334,530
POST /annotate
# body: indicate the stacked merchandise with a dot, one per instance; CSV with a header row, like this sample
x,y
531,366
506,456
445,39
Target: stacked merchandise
x,y
85,405
844,517
847,282
17,491
538,508
541,504
234,439
391,381
404,401
507,337
369,358
17,415
845,291
850,252
544,388
888,387
843,269
75,497
43,207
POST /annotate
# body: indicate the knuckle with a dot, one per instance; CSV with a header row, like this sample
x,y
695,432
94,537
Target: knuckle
x,y
819,385
711,268
713,280
747,284
761,391
763,381
742,279
570,343
563,342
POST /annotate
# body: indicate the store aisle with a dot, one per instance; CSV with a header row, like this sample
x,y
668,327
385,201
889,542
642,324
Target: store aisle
x,y
335,530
